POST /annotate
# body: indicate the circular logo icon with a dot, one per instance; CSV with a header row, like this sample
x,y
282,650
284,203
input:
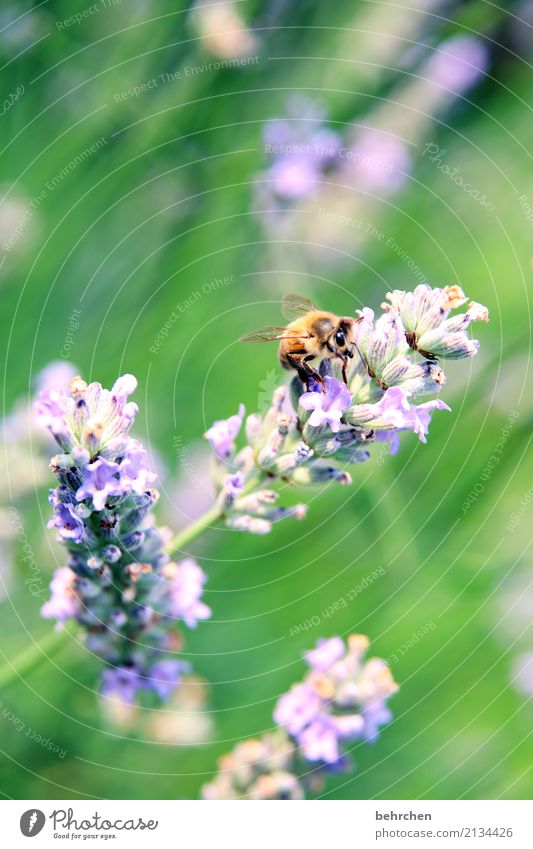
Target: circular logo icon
x,y
32,822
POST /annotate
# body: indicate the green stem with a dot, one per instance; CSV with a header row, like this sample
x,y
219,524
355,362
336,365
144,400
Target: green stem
x,y
31,657
192,531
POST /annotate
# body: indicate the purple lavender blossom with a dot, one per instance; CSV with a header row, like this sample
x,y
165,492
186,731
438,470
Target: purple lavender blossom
x,y
135,474
222,433
67,521
395,411
375,714
123,387
327,406
336,427
88,418
100,483
294,177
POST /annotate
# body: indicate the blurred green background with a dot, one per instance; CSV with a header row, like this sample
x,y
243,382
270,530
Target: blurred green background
x,y
168,201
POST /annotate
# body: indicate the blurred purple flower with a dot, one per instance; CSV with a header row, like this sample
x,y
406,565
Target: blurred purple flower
x,y
164,677
184,591
458,63
89,419
382,162
390,436
55,376
120,598
340,699
122,682
301,152
326,654
374,716
63,603
297,708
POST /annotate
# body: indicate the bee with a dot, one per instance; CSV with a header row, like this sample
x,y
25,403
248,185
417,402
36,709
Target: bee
x,y
311,333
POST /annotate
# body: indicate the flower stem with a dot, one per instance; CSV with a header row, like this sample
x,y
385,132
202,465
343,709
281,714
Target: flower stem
x,y
31,657
194,530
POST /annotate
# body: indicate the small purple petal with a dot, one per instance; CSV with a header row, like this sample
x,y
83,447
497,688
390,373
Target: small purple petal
x,y
100,483
327,406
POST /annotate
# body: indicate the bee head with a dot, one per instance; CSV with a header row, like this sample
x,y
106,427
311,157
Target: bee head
x,y
342,338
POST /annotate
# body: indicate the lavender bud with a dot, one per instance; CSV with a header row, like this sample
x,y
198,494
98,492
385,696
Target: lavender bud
x,y
251,524
111,553
256,500
279,398
315,474
132,540
83,510
118,618
360,414
286,464
254,430
275,441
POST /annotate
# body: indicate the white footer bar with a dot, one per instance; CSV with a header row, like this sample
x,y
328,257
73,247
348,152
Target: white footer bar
x,y
330,825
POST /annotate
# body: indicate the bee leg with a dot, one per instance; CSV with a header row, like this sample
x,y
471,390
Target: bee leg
x,y
297,364
305,371
344,367
311,372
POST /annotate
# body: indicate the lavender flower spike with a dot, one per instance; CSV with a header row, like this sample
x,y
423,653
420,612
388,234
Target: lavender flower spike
x,y
312,437
119,584
341,699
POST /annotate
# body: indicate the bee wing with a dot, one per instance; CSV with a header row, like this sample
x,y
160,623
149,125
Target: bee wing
x,y
295,305
271,334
